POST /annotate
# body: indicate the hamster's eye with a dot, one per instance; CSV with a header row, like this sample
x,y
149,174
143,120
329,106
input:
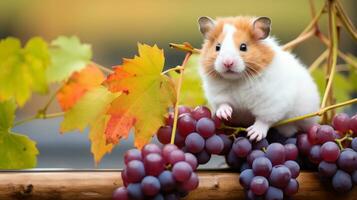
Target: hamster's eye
x,y
218,47
243,47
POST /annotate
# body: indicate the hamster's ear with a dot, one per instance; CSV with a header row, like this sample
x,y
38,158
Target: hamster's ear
x,y
261,27
205,25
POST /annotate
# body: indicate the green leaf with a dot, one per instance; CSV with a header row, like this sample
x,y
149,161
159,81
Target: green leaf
x,y
7,114
67,55
23,70
191,91
87,109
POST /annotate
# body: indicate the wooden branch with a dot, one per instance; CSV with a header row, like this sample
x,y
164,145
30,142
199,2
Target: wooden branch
x,y
88,185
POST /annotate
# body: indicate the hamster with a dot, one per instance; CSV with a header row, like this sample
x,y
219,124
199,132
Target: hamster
x,y
250,80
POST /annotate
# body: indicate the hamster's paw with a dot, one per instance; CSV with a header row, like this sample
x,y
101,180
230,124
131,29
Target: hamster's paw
x,y
224,111
257,131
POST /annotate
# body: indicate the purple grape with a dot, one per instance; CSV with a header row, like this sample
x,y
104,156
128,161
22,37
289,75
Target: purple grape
x,y
312,134
205,127
124,177
353,124
304,144
291,141
150,148
354,144
274,193
186,125
164,134
214,145
182,171
246,177
132,154
176,156
191,183
261,144
262,167
276,153
341,122
291,152
259,185
203,157
183,110
154,164
292,188
325,133
354,177
251,196
150,186
254,155
135,171
120,194
330,152
227,144
200,112
179,140
166,150
342,181
167,181
192,160
232,160
242,147
314,155
194,143
327,169
135,192
293,167
280,176
348,161
157,197
169,120
217,121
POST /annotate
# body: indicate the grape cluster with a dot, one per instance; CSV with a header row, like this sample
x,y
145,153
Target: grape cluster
x,y
157,173
196,133
333,150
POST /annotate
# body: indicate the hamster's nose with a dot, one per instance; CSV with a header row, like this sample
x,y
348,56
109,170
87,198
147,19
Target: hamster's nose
x,y
228,63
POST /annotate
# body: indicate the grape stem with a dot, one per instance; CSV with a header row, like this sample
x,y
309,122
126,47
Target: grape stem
x,y
346,137
178,92
178,68
39,115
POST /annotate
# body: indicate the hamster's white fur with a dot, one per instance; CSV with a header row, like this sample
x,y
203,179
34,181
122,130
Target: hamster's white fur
x,y
284,89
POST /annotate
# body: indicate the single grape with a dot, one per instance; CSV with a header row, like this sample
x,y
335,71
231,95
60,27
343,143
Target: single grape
x,y
245,178
186,125
314,155
124,177
176,156
330,152
259,185
191,183
164,134
203,157
135,171
291,140
242,147
292,188
233,161
132,154
179,140
194,143
325,133
214,144
227,144
262,166
327,169
120,194
293,167
200,112
183,109
341,122
276,153
254,155
304,144
353,124
342,181
274,193
348,160
150,148
192,160
135,192
154,164
167,181
217,121
251,196
166,150
312,134
354,144
205,127
261,144
150,186
182,171
291,152
280,176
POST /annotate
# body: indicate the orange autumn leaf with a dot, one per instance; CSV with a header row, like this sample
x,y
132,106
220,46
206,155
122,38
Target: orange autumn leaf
x,y
78,84
146,96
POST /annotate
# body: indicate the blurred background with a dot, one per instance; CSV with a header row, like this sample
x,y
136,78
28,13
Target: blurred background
x,y
114,27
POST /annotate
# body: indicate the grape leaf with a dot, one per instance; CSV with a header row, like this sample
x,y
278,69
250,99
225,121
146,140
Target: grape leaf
x,y
67,55
23,70
191,90
16,151
78,84
146,96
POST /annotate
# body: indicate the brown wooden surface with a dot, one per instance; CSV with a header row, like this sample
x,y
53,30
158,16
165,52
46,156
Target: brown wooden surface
x,y
100,185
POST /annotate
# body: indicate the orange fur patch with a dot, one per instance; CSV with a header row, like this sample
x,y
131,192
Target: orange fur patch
x,y
256,58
